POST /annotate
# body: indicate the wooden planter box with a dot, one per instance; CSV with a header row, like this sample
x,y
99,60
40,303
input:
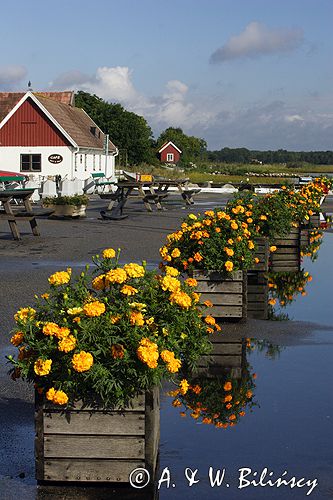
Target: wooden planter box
x,y
228,295
305,237
257,295
228,355
94,446
67,210
261,253
287,256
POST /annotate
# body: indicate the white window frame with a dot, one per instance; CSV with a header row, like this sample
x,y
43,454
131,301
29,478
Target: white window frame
x,y
170,157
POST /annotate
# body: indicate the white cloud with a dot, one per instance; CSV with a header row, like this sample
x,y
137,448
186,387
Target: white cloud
x,y
257,40
12,75
293,118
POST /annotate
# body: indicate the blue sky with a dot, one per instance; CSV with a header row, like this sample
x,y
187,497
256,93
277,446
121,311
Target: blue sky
x,y
252,73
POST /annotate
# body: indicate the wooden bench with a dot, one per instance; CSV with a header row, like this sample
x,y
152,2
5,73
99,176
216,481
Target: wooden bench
x,y
98,182
23,195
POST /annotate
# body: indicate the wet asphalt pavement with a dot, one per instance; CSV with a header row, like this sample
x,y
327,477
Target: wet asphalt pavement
x,y
291,429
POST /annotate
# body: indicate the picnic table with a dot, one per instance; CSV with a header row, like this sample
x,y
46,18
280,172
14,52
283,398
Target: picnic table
x,y
119,198
181,184
9,196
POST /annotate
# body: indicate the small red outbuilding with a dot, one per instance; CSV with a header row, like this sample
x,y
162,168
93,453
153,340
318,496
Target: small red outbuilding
x,y
169,153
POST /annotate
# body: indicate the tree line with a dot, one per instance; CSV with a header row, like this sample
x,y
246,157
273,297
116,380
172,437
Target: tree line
x,y
134,138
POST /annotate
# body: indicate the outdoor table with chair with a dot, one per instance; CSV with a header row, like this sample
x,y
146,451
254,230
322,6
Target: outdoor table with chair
x,y
181,184
10,196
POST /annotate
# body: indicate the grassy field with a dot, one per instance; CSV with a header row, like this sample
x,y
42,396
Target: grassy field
x,y
236,173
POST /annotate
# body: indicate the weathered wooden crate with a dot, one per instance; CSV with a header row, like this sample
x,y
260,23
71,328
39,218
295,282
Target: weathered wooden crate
x,y
227,355
227,294
313,221
95,446
257,295
287,255
261,253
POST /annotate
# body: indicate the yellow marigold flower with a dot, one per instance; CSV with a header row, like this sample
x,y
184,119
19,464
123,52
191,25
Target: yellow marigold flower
x,y
174,393
147,352
250,245
82,361
263,217
150,321
210,320
42,367
60,278
134,270
229,265
95,308
62,332
191,282
108,253
183,386
233,225
167,356
128,290
50,394
51,328
181,299
229,251
117,275
171,271
67,344
174,365
210,213
192,217
230,241
256,260
197,257
272,248
77,319
249,220
136,318
45,296
60,398
175,253
227,386
99,283
17,338
164,252
272,302
24,314
73,311
168,283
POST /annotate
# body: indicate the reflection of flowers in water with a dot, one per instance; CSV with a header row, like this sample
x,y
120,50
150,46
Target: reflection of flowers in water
x,y
315,240
271,350
285,286
220,401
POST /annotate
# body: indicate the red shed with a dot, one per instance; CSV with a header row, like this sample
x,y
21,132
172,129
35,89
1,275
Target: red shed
x,y
169,153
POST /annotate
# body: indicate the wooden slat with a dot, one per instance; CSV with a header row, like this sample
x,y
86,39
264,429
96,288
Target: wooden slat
x,y
71,446
225,311
285,268
285,251
223,298
90,470
213,371
216,286
215,275
136,404
95,423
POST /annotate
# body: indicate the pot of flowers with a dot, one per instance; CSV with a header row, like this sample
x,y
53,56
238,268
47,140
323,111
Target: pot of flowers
x,y
67,206
284,288
215,249
97,347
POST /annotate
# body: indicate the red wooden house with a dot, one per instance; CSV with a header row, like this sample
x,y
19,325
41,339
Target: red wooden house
x,y
169,153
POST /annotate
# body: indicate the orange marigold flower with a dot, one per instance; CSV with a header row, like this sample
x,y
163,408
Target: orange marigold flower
x,y
82,361
175,253
108,253
129,290
229,265
227,386
99,283
229,251
17,338
67,344
197,257
117,351
210,320
227,398
208,303
272,248
191,282
92,309
42,367
136,318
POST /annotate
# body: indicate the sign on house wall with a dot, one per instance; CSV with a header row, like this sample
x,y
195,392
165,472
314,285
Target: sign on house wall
x,y
55,158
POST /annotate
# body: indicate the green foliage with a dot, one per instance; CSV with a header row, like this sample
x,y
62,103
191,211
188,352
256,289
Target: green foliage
x,y
127,130
76,200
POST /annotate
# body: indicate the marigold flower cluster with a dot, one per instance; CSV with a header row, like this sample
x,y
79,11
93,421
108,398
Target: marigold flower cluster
x,y
60,278
82,361
57,397
148,352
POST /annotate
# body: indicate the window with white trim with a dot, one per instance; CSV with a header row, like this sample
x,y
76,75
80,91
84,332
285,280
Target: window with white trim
x,y
170,156
31,163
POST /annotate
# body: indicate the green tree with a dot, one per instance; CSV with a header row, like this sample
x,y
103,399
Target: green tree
x,y
193,148
128,131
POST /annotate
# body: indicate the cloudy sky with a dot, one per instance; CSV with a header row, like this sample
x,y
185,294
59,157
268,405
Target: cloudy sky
x,y
238,73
